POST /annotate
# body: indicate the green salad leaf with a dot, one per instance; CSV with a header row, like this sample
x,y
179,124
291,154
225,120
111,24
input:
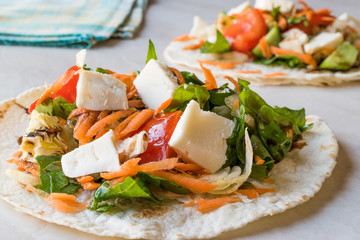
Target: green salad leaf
x,y
101,70
52,177
56,107
185,93
162,183
286,60
221,45
129,188
296,20
217,96
151,52
261,171
191,78
275,12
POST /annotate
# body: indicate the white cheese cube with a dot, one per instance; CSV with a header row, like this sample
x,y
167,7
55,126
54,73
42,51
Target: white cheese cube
x,y
100,155
240,8
155,84
291,44
346,20
133,146
296,33
98,92
80,58
200,137
323,40
286,6
201,30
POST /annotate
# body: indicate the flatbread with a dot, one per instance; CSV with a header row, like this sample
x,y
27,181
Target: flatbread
x,y
297,178
175,54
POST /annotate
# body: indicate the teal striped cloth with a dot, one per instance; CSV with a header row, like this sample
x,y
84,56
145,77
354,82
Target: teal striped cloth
x,y
68,23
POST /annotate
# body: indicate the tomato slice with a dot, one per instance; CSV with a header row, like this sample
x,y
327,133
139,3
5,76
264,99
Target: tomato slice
x,y
65,86
247,31
160,128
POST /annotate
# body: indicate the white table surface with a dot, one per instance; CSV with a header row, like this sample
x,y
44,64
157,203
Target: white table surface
x,y
334,212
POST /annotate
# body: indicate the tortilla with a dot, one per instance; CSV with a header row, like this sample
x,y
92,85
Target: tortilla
x,y
297,178
175,54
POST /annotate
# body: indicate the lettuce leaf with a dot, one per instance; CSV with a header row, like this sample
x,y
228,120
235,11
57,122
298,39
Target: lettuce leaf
x,y
52,177
261,171
286,60
217,96
191,78
221,45
163,183
56,107
130,188
151,52
185,93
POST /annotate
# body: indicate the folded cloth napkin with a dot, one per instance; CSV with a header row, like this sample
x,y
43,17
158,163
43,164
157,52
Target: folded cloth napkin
x,y
68,23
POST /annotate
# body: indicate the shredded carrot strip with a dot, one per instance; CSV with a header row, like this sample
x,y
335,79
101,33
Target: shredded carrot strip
x,y
323,11
194,46
62,196
275,74
90,185
136,103
17,155
183,38
194,185
116,181
10,160
268,180
258,160
209,77
123,124
67,206
28,166
265,49
221,65
178,75
127,169
358,46
291,133
187,167
305,6
165,164
85,178
114,117
282,22
76,112
101,116
305,58
248,72
233,81
206,206
163,106
249,193
20,169
132,93
82,129
124,78
136,123
264,190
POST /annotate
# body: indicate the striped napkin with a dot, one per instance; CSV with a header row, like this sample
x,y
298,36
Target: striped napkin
x,y
68,23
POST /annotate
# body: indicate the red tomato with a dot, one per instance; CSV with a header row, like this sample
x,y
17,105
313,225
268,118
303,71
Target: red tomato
x,y
160,128
68,88
247,31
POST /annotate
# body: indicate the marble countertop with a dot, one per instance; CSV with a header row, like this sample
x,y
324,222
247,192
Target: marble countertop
x,y
334,212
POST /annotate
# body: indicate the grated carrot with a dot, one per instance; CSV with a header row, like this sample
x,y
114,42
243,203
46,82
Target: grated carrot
x,y
194,46
323,11
85,178
178,75
62,196
249,193
206,206
267,16
136,123
77,111
209,77
90,185
66,206
221,65
30,167
305,6
123,124
165,164
116,181
193,184
268,180
187,167
305,58
275,74
183,38
233,81
136,104
127,169
282,23
248,72
258,160
132,93
101,116
83,128
265,48
163,106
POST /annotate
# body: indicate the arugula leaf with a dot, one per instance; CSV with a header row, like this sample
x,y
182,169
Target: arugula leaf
x,y
151,52
52,177
163,183
191,78
218,95
56,107
286,60
275,12
221,45
101,70
129,188
185,93
296,20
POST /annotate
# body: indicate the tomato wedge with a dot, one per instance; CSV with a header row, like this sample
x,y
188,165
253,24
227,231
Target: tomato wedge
x,y
64,86
160,128
247,31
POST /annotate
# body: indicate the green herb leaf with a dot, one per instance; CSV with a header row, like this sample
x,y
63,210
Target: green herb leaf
x,y
286,60
151,52
185,93
296,20
163,183
129,188
101,70
56,107
275,12
218,95
221,45
52,177
191,78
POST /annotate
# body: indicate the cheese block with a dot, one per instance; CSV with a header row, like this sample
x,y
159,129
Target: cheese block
x,y
155,84
97,91
100,155
345,20
133,146
296,33
201,30
200,137
240,8
80,58
286,6
323,40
